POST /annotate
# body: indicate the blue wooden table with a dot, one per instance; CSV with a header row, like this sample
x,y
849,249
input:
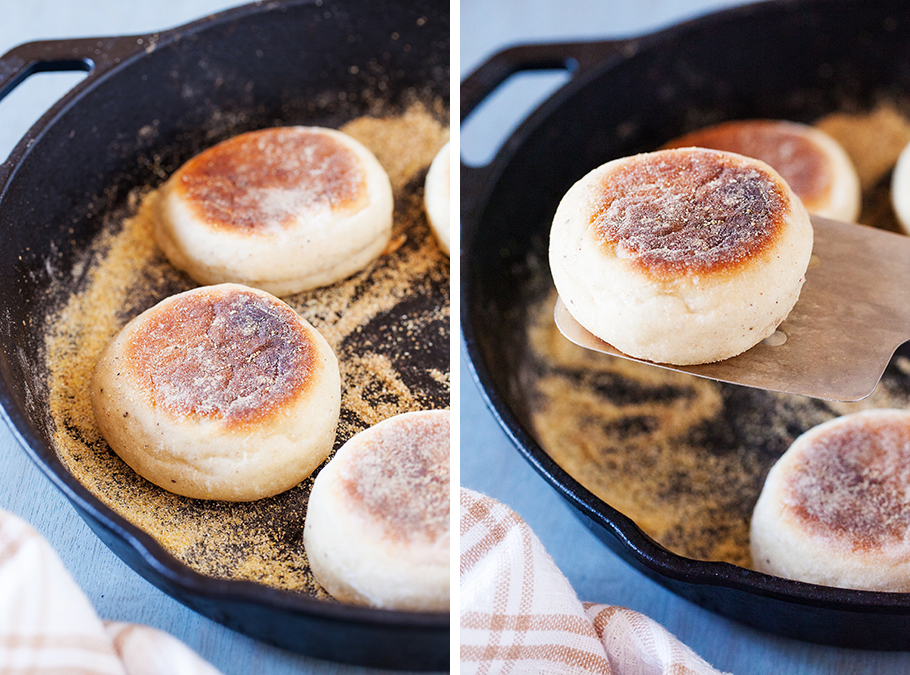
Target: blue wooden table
x,y
489,462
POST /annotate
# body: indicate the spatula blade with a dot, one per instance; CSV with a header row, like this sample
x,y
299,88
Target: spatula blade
x,y
852,313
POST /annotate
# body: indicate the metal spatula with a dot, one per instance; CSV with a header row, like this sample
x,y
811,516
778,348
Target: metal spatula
x,y
852,313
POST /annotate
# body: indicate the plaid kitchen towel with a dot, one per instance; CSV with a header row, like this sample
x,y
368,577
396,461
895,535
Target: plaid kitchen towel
x,y
48,625
519,613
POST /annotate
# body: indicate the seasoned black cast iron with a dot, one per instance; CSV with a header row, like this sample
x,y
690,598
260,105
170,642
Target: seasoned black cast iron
x,y
297,62
789,60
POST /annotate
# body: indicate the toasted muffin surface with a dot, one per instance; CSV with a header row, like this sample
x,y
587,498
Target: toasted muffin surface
x,y
813,164
221,392
689,211
851,483
236,357
400,478
284,209
680,256
835,509
266,179
377,528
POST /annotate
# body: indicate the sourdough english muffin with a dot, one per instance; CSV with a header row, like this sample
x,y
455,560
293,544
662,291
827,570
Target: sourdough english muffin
x,y
812,163
377,521
221,392
285,209
835,509
680,256
436,197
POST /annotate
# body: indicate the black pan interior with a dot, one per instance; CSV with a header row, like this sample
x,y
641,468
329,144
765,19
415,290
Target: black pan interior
x,y
298,62
783,60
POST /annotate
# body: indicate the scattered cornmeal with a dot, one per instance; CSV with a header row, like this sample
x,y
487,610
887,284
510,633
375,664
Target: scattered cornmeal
x,y
684,457
388,325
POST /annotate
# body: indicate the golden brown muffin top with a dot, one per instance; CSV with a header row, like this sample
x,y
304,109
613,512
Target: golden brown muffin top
x,y
852,484
266,179
688,211
233,355
787,146
399,477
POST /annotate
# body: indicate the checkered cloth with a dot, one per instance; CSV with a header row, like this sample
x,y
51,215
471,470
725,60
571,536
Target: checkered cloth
x,y
520,615
48,625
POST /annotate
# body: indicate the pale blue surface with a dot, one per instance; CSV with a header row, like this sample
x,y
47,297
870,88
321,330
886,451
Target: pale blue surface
x,y
489,463
116,592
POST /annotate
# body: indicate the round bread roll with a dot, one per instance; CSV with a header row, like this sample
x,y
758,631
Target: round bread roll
x,y
900,189
222,392
285,209
813,164
835,508
377,521
437,197
680,256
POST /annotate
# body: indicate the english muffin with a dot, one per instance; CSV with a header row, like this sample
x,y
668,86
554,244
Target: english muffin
x,y
377,521
835,508
437,197
900,190
813,164
680,256
285,209
223,392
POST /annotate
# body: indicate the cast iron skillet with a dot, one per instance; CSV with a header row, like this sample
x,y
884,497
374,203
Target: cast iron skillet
x,y
307,62
791,60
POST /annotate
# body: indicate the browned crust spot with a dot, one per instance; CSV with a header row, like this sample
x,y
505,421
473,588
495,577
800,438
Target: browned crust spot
x,y
235,357
853,484
786,146
400,478
268,178
688,211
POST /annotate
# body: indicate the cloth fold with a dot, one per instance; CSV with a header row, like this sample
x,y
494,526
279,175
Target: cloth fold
x,y
519,614
47,624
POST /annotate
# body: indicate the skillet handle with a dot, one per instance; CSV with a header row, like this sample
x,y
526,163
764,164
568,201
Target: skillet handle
x,y
574,57
92,55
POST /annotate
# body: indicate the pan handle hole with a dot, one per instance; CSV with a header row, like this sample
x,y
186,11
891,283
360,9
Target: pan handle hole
x,y
22,107
496,118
